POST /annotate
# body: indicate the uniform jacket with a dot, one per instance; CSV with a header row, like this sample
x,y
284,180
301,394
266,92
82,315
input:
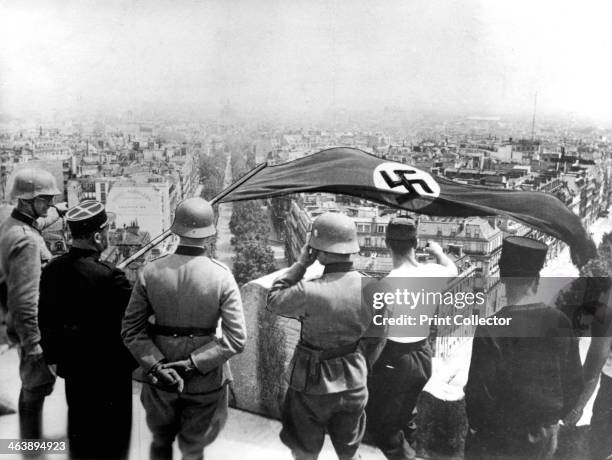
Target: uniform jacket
x,y
186,290
22,253
529,378
82,302
333,315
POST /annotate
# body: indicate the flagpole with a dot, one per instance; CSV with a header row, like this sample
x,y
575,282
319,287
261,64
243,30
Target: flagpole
x,y
162,236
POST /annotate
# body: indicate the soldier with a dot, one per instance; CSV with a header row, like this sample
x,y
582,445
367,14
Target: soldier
x,y
526,376
22,255
404,366
327,387
82,302
186,363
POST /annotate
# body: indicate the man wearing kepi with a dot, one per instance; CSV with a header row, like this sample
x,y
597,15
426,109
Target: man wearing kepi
x,y
525,377
82,302
328,375
186,292
22,255
404,366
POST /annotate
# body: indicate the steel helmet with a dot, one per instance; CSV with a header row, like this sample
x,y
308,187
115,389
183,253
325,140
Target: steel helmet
x,y
333,232
194,218
28,183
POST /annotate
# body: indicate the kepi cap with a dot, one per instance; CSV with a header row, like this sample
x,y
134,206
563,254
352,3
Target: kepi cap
x,y
86,217
522,257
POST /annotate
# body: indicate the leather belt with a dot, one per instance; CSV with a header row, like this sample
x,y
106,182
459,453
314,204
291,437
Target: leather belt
x,y
315,356
176,331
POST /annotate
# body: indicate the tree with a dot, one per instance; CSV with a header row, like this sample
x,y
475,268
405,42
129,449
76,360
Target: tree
x,y
280,207
582,295
250,227
253,259
238,164
248,217
212,172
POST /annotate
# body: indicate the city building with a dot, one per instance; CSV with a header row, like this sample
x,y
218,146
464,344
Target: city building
x,y
147,199
478,238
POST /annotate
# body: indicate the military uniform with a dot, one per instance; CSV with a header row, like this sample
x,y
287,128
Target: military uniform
x,y
328,373
187,293
22,254
82,302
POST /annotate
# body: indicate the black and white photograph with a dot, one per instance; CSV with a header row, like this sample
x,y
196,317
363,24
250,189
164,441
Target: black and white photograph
x,y
305,229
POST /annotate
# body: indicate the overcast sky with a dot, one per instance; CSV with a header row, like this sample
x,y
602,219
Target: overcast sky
x,y
461,55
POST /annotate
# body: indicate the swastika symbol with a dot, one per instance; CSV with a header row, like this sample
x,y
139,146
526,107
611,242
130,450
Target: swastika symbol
x,y
407,183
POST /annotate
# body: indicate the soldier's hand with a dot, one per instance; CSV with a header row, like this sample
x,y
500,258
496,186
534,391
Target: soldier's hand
x,y
183,367
61,208
307,256
169,378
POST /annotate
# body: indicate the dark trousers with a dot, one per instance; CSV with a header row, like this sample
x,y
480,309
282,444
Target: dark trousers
x,y
601,421
398,377
307,417
99,416
37,381
509,445
197,420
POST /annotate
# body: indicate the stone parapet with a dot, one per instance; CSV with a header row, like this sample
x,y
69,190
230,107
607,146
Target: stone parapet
x,y
259,371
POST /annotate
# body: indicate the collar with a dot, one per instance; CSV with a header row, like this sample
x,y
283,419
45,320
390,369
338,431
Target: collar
x,y
22,217
80,252
189,251
338,267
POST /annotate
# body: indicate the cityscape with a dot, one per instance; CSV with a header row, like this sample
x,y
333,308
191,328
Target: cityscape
x,y
141,169
141,107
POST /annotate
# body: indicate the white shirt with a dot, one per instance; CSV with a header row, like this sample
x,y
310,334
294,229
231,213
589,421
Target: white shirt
x,y
420,271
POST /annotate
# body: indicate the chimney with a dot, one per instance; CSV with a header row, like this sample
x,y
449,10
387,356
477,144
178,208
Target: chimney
x,y
134,228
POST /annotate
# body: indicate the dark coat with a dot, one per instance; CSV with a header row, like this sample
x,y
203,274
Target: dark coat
x,y
82,302
526,375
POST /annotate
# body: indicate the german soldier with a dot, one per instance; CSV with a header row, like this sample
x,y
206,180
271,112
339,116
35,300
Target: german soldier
x,y
327,389
186,363
22,254
82,302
